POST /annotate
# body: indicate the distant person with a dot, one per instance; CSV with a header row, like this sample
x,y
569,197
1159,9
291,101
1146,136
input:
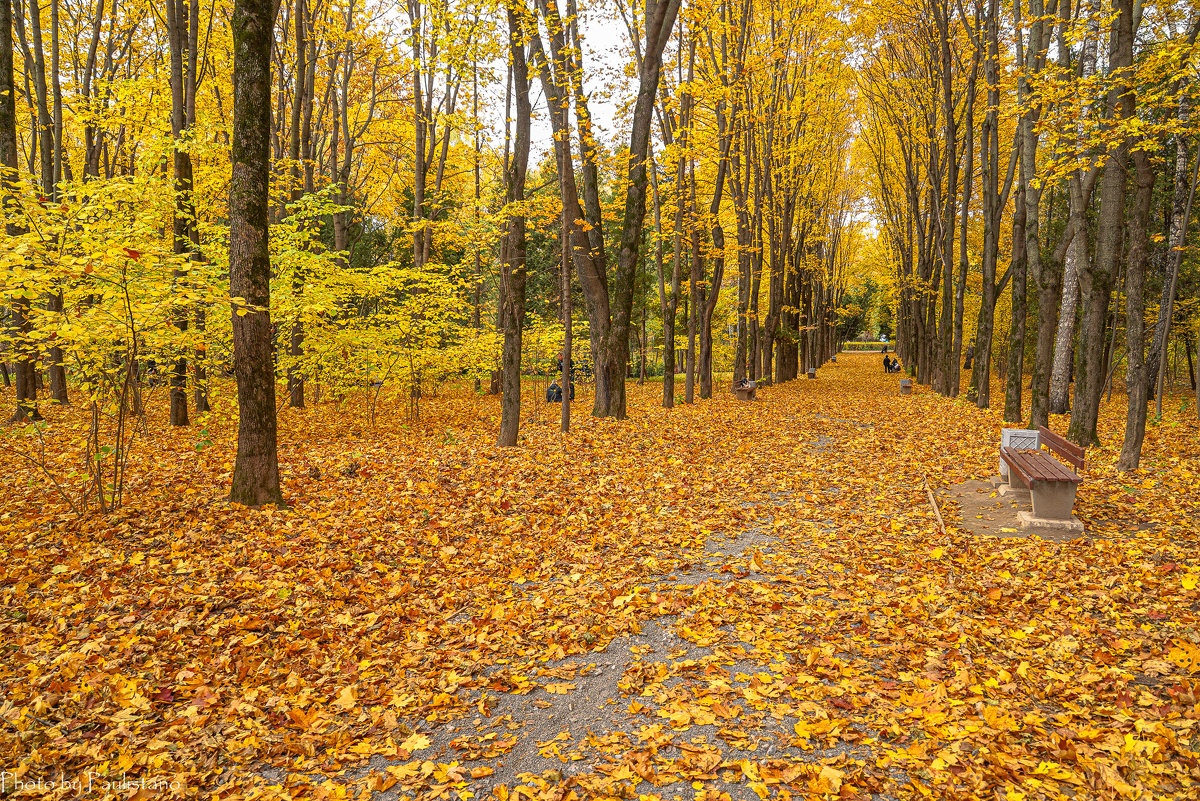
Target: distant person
x,y
558,365
895,365
887,363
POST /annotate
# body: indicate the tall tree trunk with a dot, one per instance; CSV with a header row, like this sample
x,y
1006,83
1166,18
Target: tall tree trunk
x,y
1136,378
256,469
994,200
948,206
668,301
609,307
660,18
513,275
718,276
48,138
1159,364
960,282
745,241
295,376
1181,200
24,352
58,373
694,300
1077,249
1096,276
1016,353
178,30
199,372
1045,273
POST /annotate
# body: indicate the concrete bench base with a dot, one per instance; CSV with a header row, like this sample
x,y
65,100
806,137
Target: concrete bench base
x,y
1030,520
1053,500
1019,493
745,393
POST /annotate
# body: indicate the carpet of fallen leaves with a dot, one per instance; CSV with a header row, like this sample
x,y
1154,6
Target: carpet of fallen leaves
x,y
422,575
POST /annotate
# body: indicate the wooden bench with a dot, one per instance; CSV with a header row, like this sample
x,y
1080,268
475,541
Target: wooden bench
x,y
746,393
905,386
1050,483
812,372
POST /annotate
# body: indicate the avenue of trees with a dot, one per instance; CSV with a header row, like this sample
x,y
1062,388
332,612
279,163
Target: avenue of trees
x,y
1044,149
322,197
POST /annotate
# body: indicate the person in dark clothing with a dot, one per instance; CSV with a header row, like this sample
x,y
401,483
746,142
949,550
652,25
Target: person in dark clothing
x,y
887,363
895,365
554,393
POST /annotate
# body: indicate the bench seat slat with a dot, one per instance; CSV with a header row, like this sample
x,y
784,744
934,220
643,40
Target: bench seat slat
x,y
1038,466
1068,450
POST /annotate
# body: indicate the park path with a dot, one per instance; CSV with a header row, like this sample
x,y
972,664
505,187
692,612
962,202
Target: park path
x,y
729,688
722,600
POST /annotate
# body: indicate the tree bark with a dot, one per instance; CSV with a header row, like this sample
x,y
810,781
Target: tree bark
x,y
1136,378
48,137
513,275
1096,277
182,85
994,200
1045,273
610,393
668,302
1016,352
694,300
295,376
24,353
1077,248
256,469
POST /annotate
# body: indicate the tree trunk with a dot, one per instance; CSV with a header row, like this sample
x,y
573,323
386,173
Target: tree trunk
x,y
960,283
177,25
24,354
994,200
256,469
1077,249
48,138
1045,273
668,302
1096,276
693,308
1180,217
295,376
660,18
1136,378
718,270
513,275
1016,352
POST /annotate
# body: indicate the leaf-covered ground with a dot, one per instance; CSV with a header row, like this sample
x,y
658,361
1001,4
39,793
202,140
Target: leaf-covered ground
x,y
728,600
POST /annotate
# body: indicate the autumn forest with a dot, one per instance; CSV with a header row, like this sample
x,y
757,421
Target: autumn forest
x,y
535,399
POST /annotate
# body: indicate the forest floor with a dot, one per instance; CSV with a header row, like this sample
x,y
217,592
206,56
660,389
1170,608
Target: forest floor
x,y
724,600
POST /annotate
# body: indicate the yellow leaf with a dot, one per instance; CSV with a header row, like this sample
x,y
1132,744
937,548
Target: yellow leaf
x,y
415,742
831,779
346,698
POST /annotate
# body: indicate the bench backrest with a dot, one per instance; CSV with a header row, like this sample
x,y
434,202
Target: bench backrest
x,y
1069,451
